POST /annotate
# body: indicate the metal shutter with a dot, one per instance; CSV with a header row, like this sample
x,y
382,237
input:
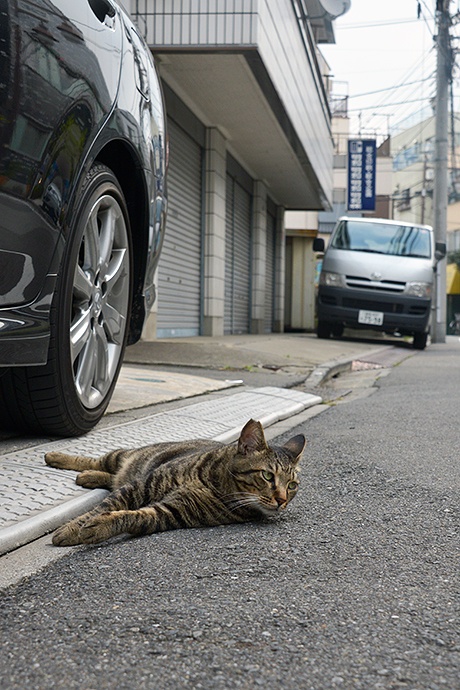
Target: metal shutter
x,y
179,273
237,258
270,271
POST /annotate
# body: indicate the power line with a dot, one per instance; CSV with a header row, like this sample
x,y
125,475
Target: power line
x,y
416,66
368,25
392,88
389,105
423,2
423,15
410,89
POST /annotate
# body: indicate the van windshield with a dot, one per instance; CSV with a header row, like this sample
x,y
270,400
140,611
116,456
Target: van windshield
x,y
380,238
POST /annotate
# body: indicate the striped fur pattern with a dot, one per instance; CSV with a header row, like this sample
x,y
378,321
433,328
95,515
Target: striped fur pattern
x,y
186,484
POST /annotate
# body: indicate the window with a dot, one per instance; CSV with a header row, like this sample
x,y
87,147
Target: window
x,y
403,200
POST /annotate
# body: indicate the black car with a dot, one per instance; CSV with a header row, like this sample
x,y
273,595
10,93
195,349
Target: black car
x,y
82,206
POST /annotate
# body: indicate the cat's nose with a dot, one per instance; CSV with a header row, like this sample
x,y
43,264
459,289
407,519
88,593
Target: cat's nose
x,y
280,500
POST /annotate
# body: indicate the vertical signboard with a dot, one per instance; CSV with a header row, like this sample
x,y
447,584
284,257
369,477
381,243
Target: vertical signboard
x,y
361,174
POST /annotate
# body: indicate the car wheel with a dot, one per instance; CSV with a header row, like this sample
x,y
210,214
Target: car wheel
x,y
420,340
89,320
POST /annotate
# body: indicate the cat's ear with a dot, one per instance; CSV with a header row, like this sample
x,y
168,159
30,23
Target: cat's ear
x,y
295,447
252,438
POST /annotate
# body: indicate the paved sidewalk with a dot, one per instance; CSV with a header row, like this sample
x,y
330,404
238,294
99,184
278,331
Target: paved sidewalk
x,y
36,499
286,352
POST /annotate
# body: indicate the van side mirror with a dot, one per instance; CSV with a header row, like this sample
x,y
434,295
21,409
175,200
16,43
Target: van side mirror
x,y
440,250
318,244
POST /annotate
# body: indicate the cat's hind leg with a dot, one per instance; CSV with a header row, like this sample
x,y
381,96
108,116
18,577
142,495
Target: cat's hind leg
x,y
63,461
95,479
93,471
110,462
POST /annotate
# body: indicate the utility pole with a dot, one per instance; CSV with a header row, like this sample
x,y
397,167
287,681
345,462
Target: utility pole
x,y
443,76
423,193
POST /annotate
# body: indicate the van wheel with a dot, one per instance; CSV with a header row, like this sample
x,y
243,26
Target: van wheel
x,y
323,329
337,330
420,340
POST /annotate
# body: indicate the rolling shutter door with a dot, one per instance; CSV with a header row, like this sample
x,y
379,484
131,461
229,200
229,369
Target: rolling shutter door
x,y
179,274
237,258
270,270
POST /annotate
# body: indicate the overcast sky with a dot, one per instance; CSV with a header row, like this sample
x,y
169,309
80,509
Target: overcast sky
x,y
381,45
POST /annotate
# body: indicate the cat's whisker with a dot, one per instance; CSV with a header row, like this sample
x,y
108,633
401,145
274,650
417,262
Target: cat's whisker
x,y
241,500
235,493
238,506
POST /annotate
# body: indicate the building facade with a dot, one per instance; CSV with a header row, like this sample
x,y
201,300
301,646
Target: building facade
x,y
250,136
413,152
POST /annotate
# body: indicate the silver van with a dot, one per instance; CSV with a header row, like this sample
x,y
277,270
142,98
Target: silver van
x,y
377,274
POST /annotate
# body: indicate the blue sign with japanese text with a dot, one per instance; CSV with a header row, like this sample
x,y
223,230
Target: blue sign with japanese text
x,y
361,174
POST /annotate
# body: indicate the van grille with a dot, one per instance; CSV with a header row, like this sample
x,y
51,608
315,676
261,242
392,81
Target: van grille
x,y
387,307
377,285
373,305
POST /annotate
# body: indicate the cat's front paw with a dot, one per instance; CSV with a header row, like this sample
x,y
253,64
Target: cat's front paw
x,y
67,535
97,529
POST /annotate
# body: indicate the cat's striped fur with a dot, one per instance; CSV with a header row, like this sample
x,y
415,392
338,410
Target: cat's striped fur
x,y
186,484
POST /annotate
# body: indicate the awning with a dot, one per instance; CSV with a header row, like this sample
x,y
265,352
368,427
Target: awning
x,y
452,279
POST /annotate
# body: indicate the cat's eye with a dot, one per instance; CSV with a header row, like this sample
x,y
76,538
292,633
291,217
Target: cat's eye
x,y
292,486
268,476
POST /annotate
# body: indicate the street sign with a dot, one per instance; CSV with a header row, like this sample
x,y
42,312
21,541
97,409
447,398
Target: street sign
x,y
361,174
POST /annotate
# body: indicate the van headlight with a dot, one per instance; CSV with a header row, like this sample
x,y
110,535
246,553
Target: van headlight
x,y
419,289
332,279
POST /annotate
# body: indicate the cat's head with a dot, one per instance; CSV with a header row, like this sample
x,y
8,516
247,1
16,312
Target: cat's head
x,y
266,475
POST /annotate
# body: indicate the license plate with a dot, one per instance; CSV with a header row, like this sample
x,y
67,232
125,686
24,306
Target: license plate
x,y
371,318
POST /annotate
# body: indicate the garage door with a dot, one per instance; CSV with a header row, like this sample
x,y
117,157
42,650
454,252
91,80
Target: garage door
x,y
237,258
270,267
179,274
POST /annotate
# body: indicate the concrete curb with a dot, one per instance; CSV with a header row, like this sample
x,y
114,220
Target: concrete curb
x,y
330,369
28,530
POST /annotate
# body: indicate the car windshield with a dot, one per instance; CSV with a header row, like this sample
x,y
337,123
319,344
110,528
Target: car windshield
x,y
382,238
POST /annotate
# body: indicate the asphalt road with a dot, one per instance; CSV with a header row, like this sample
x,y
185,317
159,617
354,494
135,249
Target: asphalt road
x,y
357,586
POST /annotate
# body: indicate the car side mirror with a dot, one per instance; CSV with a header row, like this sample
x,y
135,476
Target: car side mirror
x,y
440,250
318,244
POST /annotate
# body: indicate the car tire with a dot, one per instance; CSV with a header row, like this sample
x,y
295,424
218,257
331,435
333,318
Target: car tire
x,y
89,321
420,340
323,329
337,330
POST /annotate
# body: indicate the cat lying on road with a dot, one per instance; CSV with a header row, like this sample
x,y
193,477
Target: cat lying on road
x,y
182,484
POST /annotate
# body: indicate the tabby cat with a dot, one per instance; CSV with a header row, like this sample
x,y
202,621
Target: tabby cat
x,y
185,484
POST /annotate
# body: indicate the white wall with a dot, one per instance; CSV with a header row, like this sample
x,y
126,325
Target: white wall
x,y
297,81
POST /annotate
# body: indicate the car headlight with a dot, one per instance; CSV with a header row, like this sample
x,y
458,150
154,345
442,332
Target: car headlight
x,y
419,289
332,279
